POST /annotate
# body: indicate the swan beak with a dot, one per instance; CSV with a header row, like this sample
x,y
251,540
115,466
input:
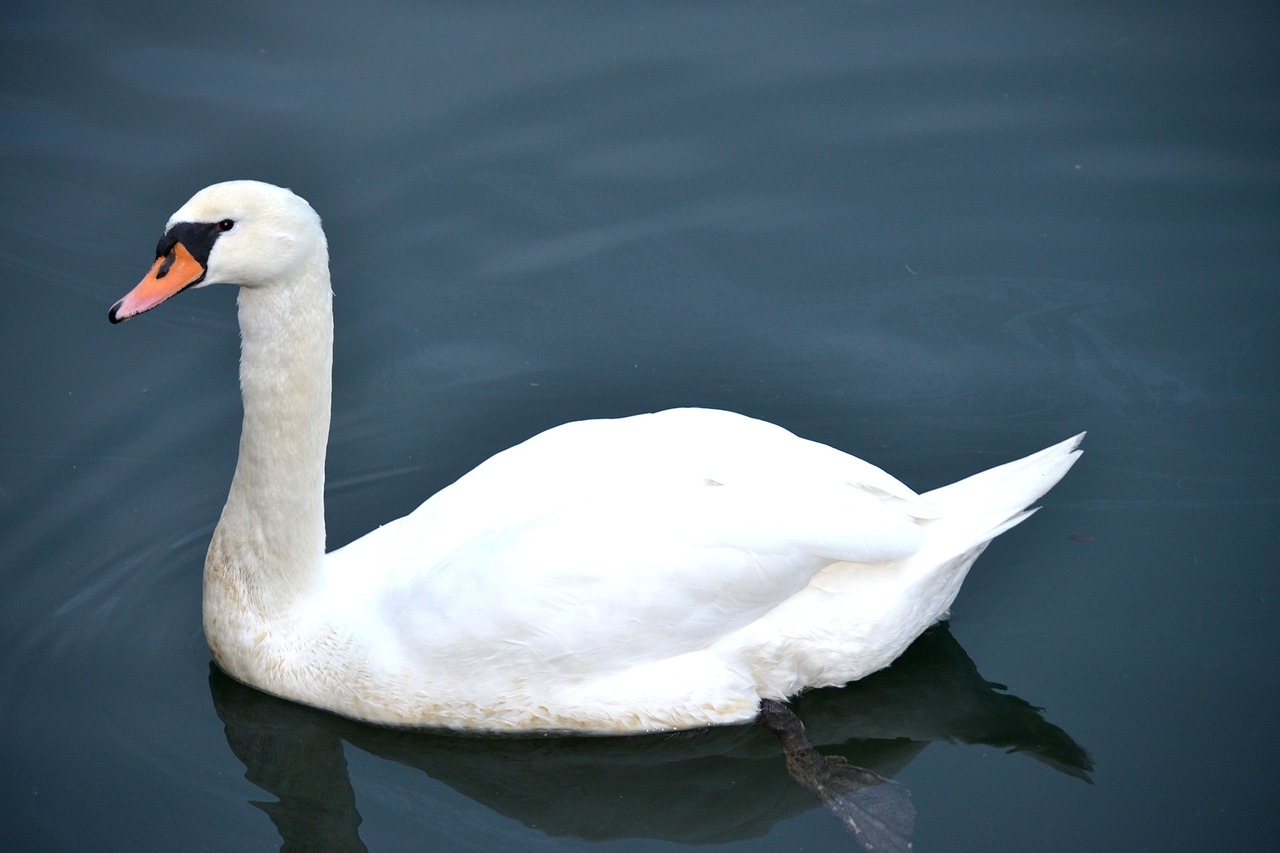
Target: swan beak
x,y
169,275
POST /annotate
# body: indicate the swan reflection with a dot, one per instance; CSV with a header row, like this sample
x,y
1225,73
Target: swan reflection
x,y
712,785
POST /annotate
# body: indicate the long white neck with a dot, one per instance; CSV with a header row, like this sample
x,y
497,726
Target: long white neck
x,y
269,545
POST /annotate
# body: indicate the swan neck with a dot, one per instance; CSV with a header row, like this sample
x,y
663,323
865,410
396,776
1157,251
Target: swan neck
x,y
268,547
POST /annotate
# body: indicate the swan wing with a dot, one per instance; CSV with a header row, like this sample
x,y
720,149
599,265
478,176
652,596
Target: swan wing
x,y
600,544
635,458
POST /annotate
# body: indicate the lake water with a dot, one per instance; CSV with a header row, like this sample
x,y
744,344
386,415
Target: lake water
x,y
935,235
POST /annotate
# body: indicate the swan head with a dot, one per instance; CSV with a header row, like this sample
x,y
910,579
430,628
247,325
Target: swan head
x,y
238,232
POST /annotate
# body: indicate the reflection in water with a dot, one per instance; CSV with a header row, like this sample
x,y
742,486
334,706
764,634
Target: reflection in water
x,y
703,786
876,811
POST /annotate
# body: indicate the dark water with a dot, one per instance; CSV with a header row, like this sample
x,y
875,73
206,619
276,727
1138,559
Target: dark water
x,y
935,235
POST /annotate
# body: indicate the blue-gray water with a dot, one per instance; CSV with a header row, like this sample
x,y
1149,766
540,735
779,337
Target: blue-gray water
x,y
937,235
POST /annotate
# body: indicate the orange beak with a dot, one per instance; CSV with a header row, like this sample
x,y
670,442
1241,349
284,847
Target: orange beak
x,y
169,275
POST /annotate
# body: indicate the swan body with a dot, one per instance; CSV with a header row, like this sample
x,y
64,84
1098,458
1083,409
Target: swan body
x,y
661,571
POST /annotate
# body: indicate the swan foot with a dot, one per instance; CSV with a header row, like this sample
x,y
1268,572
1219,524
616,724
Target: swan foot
x,y
876,811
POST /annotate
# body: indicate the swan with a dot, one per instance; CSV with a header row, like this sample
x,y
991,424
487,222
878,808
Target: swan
x,y
657,572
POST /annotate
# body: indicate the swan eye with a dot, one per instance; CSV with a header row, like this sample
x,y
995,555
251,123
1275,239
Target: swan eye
x,y
226,225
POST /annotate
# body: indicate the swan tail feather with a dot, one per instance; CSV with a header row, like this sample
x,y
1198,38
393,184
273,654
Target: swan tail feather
x,y
979,508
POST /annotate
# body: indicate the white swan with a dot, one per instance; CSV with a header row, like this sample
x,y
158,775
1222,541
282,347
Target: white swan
x,y
661,571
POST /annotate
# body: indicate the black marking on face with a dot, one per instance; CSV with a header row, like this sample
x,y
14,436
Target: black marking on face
x,y
197,237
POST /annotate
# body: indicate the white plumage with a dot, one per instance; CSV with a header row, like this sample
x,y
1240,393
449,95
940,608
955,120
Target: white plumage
x,y
655,572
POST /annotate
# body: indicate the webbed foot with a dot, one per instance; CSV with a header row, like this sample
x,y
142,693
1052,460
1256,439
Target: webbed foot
x,y
876,811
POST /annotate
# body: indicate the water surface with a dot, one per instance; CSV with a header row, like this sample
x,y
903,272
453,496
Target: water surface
x,y
937,236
